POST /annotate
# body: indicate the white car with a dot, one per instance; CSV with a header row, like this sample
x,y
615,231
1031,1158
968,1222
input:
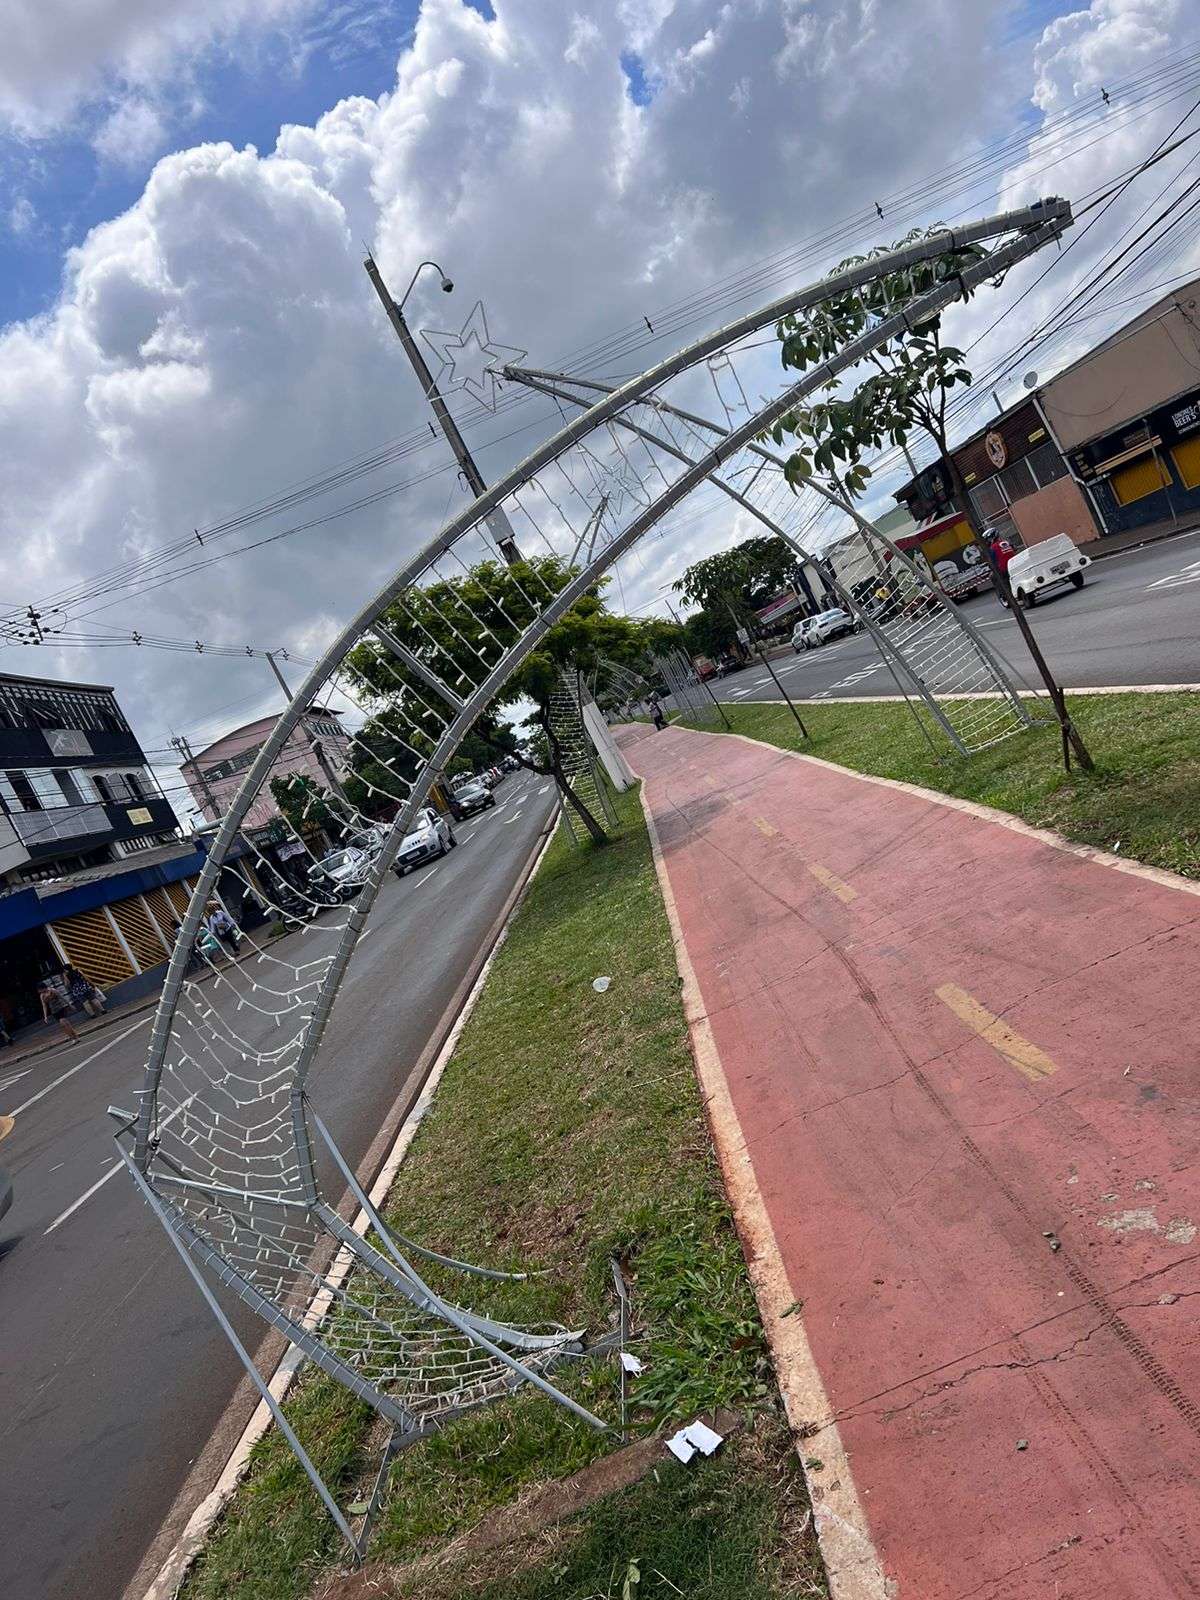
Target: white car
x,y
342,873
1044,566
816,630
430,838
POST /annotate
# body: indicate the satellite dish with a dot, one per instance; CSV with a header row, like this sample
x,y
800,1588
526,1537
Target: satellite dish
x,y
1030,380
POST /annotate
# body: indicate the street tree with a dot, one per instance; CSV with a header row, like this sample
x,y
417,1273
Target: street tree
x,y
746,576
452,625
306,804
907,393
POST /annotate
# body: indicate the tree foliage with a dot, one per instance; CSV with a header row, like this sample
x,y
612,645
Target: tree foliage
x,y
906,392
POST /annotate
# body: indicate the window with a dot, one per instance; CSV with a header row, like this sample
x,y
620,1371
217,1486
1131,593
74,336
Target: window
x,y
102,786
1138,479
1186,456
1018,481
134,784
988,500
111,723
1046,464
23,792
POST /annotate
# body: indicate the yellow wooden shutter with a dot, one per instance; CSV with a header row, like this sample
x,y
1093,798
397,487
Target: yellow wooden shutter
x,y
93,947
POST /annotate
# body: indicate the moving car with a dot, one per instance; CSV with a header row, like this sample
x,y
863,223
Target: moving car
x,y
1046,565
430,838
816,630
340,874
469,796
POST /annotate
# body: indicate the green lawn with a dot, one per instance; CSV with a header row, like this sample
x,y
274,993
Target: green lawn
x,y
568,1129
1143,799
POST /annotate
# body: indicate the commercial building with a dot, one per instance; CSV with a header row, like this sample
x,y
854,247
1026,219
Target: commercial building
x,y
75,789
1107,446
91,869
1127,417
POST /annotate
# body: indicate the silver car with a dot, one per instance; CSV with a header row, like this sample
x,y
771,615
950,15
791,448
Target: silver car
x,y
430,838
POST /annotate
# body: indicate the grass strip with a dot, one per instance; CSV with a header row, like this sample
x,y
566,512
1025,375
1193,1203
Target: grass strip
x,y
1142,800
568,1129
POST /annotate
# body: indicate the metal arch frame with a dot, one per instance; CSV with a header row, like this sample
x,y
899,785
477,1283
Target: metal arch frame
x,y
1035,226
549,383
1041,223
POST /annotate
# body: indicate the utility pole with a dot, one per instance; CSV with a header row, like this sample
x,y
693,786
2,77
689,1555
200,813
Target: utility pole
x,y
318,749
501,529
185,750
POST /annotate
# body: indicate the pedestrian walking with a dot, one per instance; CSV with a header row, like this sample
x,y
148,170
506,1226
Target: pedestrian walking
x,y
83,993
55,1005
656,713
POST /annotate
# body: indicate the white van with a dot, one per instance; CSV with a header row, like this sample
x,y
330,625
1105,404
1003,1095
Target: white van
x,y
1044,565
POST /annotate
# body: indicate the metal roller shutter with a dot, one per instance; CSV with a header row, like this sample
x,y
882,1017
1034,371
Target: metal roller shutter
x,y
1186,456
1138,479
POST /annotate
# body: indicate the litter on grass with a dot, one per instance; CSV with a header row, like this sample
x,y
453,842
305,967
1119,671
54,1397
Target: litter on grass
x,y
697,1437
600,984
632,1364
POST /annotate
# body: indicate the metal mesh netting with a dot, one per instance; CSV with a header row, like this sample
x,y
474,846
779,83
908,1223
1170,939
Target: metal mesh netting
x,y
223,1128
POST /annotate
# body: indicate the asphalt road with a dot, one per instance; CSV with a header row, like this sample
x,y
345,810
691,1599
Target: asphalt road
x,y
1136,620
112,1373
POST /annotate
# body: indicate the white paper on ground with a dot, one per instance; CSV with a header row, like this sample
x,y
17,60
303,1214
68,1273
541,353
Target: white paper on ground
x,y
631,1363
704,1438
600,984
679,1446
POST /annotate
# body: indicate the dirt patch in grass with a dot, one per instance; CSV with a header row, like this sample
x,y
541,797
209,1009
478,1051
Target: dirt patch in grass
x,y
567,1130
1142,801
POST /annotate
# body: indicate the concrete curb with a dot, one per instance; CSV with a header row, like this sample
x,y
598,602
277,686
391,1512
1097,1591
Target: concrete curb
x,y
851,1561
899,700
419,1095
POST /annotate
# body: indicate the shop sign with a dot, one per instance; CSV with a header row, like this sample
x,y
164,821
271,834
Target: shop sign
x,y
294,847
997,450
139,815
1186,418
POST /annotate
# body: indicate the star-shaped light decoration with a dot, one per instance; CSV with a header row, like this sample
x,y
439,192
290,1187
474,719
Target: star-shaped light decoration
x,y
471,359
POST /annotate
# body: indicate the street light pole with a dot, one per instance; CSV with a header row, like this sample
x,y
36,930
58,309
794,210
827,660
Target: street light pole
x,y
497,521
501,529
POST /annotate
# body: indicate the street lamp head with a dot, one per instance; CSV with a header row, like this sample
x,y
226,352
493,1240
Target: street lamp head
x,y
447,286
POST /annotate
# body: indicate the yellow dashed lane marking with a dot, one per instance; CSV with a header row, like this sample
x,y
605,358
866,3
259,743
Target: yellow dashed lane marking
x,y
764,826
1029,1061
829,880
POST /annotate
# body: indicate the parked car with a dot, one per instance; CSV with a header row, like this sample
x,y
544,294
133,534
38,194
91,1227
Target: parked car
x,y
430,838
1046,565
466,798
813,631
341,874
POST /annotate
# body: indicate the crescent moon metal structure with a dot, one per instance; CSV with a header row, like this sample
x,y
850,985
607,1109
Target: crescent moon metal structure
x,y
223,1140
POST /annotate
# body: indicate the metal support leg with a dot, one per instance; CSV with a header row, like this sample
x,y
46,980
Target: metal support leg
x,y
260,1383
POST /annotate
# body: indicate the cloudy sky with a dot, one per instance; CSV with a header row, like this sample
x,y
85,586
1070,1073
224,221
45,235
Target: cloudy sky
x,y
186,187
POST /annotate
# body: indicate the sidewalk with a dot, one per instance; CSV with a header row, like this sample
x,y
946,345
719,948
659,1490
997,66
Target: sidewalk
x,y
961,1079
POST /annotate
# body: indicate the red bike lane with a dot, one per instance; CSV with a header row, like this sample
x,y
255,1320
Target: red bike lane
x,y
963,1064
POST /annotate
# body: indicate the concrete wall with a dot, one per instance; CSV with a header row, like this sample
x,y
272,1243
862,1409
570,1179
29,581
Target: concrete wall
x,y
1133,374
1058,508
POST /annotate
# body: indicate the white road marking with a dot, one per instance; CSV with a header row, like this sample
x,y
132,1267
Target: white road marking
x,y
849,681
78,1067
15,1078
516,816
1176,580
545,789
112,1171
425,876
